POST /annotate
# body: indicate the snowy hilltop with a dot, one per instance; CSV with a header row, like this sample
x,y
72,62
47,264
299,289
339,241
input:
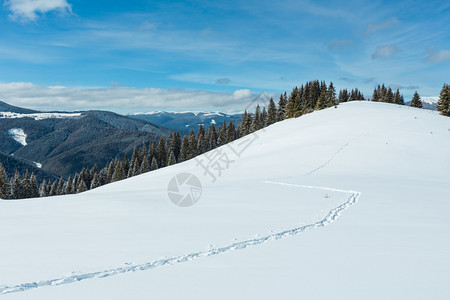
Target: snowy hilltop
x,y
343,203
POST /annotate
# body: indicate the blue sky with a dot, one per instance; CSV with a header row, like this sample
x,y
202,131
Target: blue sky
x,y
210,55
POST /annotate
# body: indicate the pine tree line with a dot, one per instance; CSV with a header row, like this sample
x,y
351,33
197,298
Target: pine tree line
x,y
146,158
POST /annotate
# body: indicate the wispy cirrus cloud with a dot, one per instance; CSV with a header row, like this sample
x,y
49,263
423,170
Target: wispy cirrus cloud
x,y
28,10
374,27
441,56
224,80
385,51
337,44
40,97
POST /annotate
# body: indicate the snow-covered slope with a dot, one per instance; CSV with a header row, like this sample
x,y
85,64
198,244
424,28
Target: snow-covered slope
x,y
345,203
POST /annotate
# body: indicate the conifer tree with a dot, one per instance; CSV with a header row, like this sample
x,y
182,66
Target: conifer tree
x,y
211,138
162,153
26,187
293,104
154,165
81,187
416,102
322,101
54,189
331,96
119,173
281,111
184,151
376,94
256,120
43,189
133,169
443,105
343,96
271,113
60,187
263,119
398,98
68,188
112,167
95,183
245,124
192,146
145,166
16,187
34,189
231,132
171,160
176,144
3,183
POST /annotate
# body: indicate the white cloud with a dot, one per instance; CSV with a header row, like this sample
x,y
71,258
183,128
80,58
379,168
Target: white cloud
x,y
28,10
123,99
385,51
441,56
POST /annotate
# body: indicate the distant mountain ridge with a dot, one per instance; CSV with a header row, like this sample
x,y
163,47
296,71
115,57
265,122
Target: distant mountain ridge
x,y
64,143
185,121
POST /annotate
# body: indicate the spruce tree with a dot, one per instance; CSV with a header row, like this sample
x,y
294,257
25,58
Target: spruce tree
x,y
443,105
271,113
162,153
343,96
171,160
398,99
54,189
293,104
145,166
43,189
3,183
68,188
416,102
331,97
192,146
34,189
81,187
60,187
154,165
95,183
119,173
245,124
211,138
16,187
231,132
256,120
26,187
322,101
281,111
184,151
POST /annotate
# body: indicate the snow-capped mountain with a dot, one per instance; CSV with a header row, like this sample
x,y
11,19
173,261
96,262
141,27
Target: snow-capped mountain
x,y
343,203
64,142
185,121
428,102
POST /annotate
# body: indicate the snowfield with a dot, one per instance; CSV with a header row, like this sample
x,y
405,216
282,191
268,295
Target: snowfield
x,y
38,116
345,203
